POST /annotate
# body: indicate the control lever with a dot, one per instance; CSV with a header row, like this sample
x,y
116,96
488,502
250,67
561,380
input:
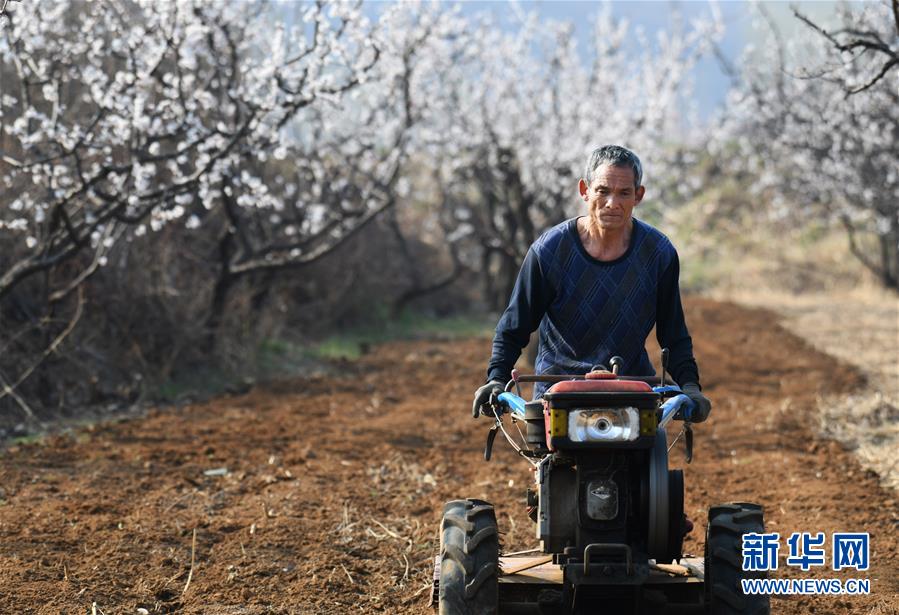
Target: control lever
x,y
664,365
688,441
491,436
616,363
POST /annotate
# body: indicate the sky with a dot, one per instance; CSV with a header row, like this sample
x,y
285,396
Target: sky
x,y
711,82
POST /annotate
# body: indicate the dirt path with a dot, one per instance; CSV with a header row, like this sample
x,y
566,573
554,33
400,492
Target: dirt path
x,y
861,327
334,487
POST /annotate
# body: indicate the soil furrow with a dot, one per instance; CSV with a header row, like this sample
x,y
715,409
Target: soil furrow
x,y
323,495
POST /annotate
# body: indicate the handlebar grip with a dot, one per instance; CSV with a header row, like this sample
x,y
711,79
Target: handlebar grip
x,y
513,402
678,407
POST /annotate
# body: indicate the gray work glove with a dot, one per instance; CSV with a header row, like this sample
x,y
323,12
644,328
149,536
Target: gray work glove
x,y
703,405
483,397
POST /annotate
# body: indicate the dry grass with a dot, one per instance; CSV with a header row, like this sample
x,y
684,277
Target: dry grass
x,y
823,294
860,327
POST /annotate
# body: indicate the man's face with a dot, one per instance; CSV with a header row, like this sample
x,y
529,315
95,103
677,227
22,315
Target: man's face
x,y
611,197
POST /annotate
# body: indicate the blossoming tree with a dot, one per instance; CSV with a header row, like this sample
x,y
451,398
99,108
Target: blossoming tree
x,y
272,140
521,108
821,132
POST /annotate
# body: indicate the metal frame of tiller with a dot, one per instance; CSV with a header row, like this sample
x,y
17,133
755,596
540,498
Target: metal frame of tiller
x,y
555,574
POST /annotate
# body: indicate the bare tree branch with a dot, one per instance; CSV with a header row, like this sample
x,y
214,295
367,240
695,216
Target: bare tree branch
x,y
853,39
10,389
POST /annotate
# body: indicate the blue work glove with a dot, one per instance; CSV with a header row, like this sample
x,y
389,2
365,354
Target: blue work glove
x,y
703,405
483,397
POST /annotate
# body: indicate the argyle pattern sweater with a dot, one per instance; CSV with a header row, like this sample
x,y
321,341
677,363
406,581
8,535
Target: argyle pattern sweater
x,y
588,311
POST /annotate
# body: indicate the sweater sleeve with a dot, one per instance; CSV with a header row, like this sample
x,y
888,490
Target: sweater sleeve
x,y
530,299
671,327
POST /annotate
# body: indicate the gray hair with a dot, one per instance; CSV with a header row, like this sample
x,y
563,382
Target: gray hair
x,y
616,156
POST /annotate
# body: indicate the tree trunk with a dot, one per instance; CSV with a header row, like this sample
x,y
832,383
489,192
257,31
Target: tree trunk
x,y
261,292
889,260
487,278
220,292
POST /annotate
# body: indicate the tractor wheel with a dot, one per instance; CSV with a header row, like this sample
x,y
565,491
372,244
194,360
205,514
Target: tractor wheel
x,y
724,560
469,559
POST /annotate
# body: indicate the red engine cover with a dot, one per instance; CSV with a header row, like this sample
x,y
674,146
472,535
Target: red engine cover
x,y
600,386
600,375
596,382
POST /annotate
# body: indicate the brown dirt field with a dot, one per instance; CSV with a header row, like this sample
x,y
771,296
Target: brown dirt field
x,y
861,327
334,486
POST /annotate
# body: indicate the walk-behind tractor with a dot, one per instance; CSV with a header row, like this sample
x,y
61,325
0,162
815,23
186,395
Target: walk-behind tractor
x,y
609,513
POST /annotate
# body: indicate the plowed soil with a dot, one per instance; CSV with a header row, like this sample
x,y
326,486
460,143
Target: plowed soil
x,y
323,495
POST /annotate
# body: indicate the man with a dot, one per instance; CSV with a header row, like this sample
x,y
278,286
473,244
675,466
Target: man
x,y
595,286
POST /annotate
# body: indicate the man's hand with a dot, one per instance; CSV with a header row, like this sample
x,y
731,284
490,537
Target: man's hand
x,y
483,395
703,405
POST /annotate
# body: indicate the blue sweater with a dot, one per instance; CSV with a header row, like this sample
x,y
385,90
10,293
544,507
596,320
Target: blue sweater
x,y
588,310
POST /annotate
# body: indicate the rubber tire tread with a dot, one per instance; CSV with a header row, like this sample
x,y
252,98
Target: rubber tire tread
x,y
723,560
469,559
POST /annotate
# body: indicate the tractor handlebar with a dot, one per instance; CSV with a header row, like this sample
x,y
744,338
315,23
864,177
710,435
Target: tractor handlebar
x,y
679,407
553,378
513,402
